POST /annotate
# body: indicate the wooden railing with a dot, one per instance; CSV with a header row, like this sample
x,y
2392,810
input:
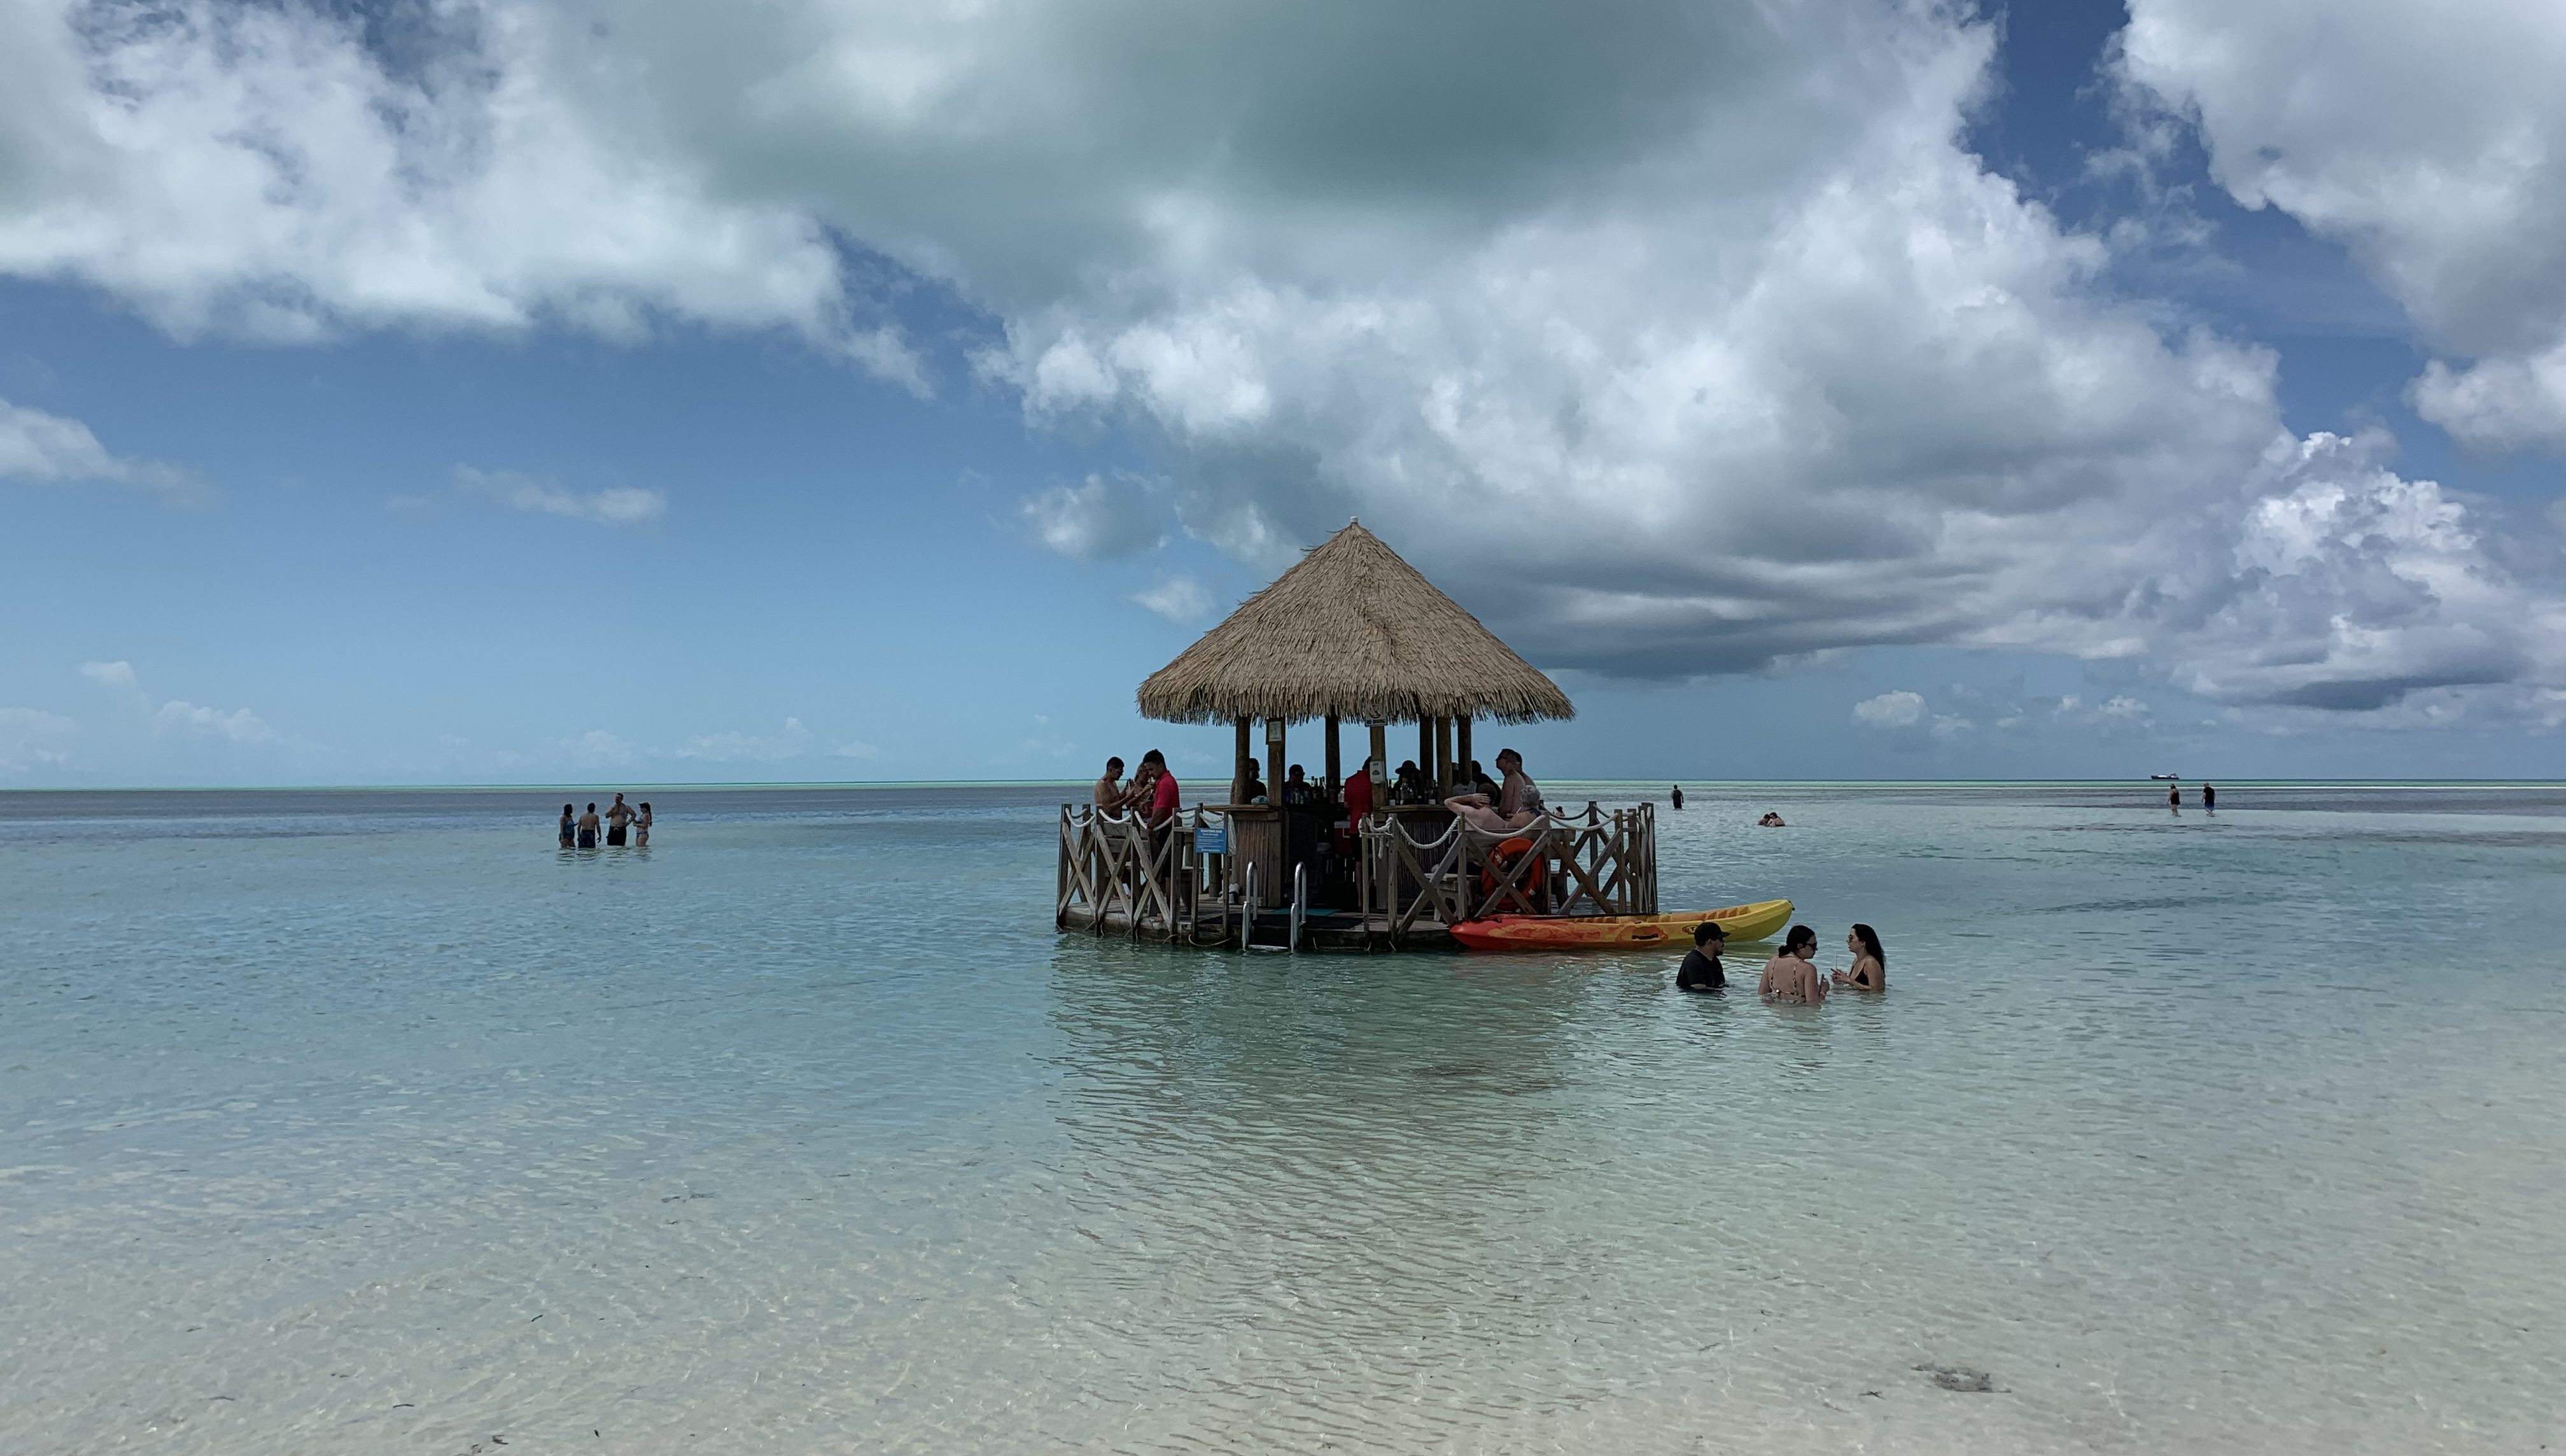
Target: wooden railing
x,y
1601,863
1116,865
1118,872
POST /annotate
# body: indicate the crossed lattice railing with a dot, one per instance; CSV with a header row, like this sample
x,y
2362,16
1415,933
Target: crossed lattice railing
x,y
1601,863
1117,871
1116,866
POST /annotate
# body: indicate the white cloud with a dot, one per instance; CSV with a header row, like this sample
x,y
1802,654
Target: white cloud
x,y
31,738
260,170
2348,586
2429,139
45,448
790,742
1105,516
1901,709
1671,338
599,749
1180,599
614,506
238,726
110,674
855,748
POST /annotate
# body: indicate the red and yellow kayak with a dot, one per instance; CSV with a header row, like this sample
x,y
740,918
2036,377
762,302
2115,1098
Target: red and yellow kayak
x,y
1618,932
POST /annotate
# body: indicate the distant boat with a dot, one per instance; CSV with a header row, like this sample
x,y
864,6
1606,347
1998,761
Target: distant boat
x,y
2162,777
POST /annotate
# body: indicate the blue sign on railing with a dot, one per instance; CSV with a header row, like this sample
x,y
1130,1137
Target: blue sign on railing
x,y
1213,840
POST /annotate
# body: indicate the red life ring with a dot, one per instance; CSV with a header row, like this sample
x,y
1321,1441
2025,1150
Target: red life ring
x,y
1506,852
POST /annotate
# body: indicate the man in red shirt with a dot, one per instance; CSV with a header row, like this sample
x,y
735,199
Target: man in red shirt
x,y
1162,789
1359,795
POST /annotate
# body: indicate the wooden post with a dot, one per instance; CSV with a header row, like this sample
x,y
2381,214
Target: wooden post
x,y
1426,747
1336,779
1274,762
1380,764
1239,763
1461,753
1443,757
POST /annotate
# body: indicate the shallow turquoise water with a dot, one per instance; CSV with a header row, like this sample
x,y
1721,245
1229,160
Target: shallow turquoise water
x,y
335,1122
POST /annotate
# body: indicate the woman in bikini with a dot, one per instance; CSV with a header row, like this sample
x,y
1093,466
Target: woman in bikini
x,y
1870,963
1789,976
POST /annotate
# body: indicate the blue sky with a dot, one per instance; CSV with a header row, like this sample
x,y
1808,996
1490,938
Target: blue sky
x,y
498,393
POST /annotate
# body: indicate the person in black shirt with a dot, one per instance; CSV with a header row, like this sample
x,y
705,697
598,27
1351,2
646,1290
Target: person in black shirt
x,y
1701,969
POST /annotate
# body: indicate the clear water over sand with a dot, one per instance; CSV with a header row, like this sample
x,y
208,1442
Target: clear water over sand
x,y
367,1122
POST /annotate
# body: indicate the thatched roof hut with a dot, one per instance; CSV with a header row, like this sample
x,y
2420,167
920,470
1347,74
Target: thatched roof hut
x,y
1351,631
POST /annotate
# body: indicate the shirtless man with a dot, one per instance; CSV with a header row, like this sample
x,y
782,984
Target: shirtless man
x,y
588,828
1790,976
617,818
1518,802
1110,792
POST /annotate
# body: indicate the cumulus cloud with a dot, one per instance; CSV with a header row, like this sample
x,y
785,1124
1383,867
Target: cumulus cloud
x,y
622,505
2430,141
45,448
2350,587
31,738
1180,599
790,742
1901,709
240,725
286,170
1672,339
176,716
1100,517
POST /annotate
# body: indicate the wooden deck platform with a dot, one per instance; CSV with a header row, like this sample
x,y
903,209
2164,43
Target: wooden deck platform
x,y
1342,934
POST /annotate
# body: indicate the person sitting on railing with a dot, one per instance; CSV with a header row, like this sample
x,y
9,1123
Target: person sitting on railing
x,y
1518,802
1109,793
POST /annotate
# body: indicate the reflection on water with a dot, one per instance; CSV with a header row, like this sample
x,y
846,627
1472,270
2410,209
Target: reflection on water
x,y
800,1130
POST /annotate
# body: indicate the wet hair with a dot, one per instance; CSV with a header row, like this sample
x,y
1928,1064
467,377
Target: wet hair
x,y
591,808
1870,940
646,804
1114,765
565,808
1800,935
1155,757
1708,930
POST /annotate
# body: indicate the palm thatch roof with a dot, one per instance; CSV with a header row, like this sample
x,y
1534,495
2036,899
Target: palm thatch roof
x,y
1352,630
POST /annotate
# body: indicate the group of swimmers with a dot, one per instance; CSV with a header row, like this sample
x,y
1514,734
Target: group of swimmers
x,y
580,831
1792,974
1770,821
